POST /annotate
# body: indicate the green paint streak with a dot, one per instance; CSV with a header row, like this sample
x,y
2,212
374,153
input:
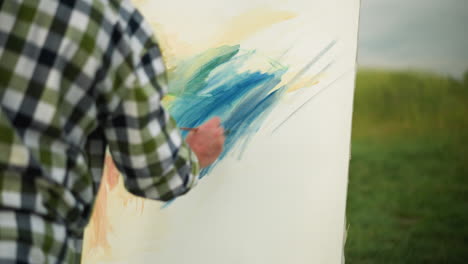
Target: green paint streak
x,y
190,75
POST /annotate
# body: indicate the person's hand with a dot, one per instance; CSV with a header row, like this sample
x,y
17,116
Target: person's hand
x,y
207,141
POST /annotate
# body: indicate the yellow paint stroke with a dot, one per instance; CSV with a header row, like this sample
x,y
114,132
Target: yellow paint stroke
x,y
249,23
168,99
234,32
302,84
172,47
305,83
239,28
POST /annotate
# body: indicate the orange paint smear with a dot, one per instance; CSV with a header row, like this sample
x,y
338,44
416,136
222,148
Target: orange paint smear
x,y
100,225
112,175
99,228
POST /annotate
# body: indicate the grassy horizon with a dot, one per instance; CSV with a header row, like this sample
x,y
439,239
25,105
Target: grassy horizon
x,y
408,182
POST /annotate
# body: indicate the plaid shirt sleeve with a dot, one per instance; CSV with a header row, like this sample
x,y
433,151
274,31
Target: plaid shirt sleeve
x,y
143,139
77,76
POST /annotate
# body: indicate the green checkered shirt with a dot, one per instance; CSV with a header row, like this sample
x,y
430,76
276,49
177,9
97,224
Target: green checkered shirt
x,y
78,77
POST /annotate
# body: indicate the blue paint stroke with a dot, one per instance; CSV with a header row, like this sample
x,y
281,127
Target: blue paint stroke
x,y
217,83
242,98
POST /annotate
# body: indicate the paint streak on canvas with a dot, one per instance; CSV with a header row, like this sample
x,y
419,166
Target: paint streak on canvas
x,y
100,225
245,25
239,28
220,82
216,86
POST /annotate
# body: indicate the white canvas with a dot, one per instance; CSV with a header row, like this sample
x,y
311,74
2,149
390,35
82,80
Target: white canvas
x,y
279,194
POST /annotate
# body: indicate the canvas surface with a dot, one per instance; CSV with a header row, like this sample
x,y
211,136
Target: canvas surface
x,y
280,74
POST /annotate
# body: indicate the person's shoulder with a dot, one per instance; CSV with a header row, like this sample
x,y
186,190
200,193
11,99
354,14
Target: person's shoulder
x,y
121,8
111,10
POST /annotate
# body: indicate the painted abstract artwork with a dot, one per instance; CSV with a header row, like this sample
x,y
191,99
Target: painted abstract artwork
x,y
280,74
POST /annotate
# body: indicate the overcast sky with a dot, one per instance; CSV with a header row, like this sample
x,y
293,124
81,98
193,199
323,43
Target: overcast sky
x,y
426,34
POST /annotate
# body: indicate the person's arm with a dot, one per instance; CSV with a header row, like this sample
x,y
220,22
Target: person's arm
x,y
143,139
149,151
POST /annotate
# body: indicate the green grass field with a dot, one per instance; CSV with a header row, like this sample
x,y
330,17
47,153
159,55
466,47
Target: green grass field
x,y
408,182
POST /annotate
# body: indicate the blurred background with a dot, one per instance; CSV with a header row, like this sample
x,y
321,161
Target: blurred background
x,y
408,183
